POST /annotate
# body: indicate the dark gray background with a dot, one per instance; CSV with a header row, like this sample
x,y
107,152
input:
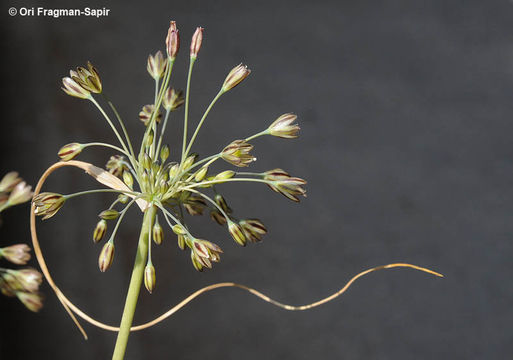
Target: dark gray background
x,y
406,110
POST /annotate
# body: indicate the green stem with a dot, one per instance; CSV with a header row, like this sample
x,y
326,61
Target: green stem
x,y
121,123
135,285
261,133
201,123
186,116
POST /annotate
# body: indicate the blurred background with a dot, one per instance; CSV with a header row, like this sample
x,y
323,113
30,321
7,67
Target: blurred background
x,y
406,114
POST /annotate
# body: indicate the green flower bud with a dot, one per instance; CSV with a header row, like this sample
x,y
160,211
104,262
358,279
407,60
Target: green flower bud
x,y
128,179
228,174
158,233
236,233
164,153
149,277
109,214
200,175
179,229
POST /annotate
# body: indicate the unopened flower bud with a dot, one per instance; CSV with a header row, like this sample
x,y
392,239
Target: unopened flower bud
x,y
116,165
172,99
197,38
20,194
181,242
200,175
106,256
32,301
128,179
218,217
149,138
281,182
236,233
29,279
146,161
18,254
70,151
228,174
48,204
284,127
235,77
149,278
173,170
179,229
9,181
73,89
164,153
220,200
158,233
156,65
100,230
123,198
172,40
109,214
147,112
189,161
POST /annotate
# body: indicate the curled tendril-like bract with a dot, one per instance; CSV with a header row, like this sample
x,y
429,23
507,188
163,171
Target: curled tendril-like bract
x,y
113,182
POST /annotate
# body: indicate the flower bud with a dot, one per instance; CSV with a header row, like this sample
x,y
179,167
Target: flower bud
x,y
73,89
173,170
122,198
220,200
200,175
70,151
158,233
156,65
178,229
164,153
32,301
106,256
283,127
149,277
20,194
235,77
228,174
18,254
99,230
128,179
48,204
109,214
88,79
189,161
149,138
281,182
172,41
116,165
9,181
197,38
181,242
218,217
237,153
29,279
236,233
146,113
254,229
172,99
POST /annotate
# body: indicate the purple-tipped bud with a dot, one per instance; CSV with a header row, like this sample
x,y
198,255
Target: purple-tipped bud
x,y
235,77
281,182
48,204
146,113
254,229
284,127
70,151
106,256
172,40
236,233
197,38
237,153
149,278
18,254
100,230
72,88
173,99
156,65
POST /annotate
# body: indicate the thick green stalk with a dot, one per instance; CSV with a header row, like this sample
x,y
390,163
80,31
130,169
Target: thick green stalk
x,y
135,285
